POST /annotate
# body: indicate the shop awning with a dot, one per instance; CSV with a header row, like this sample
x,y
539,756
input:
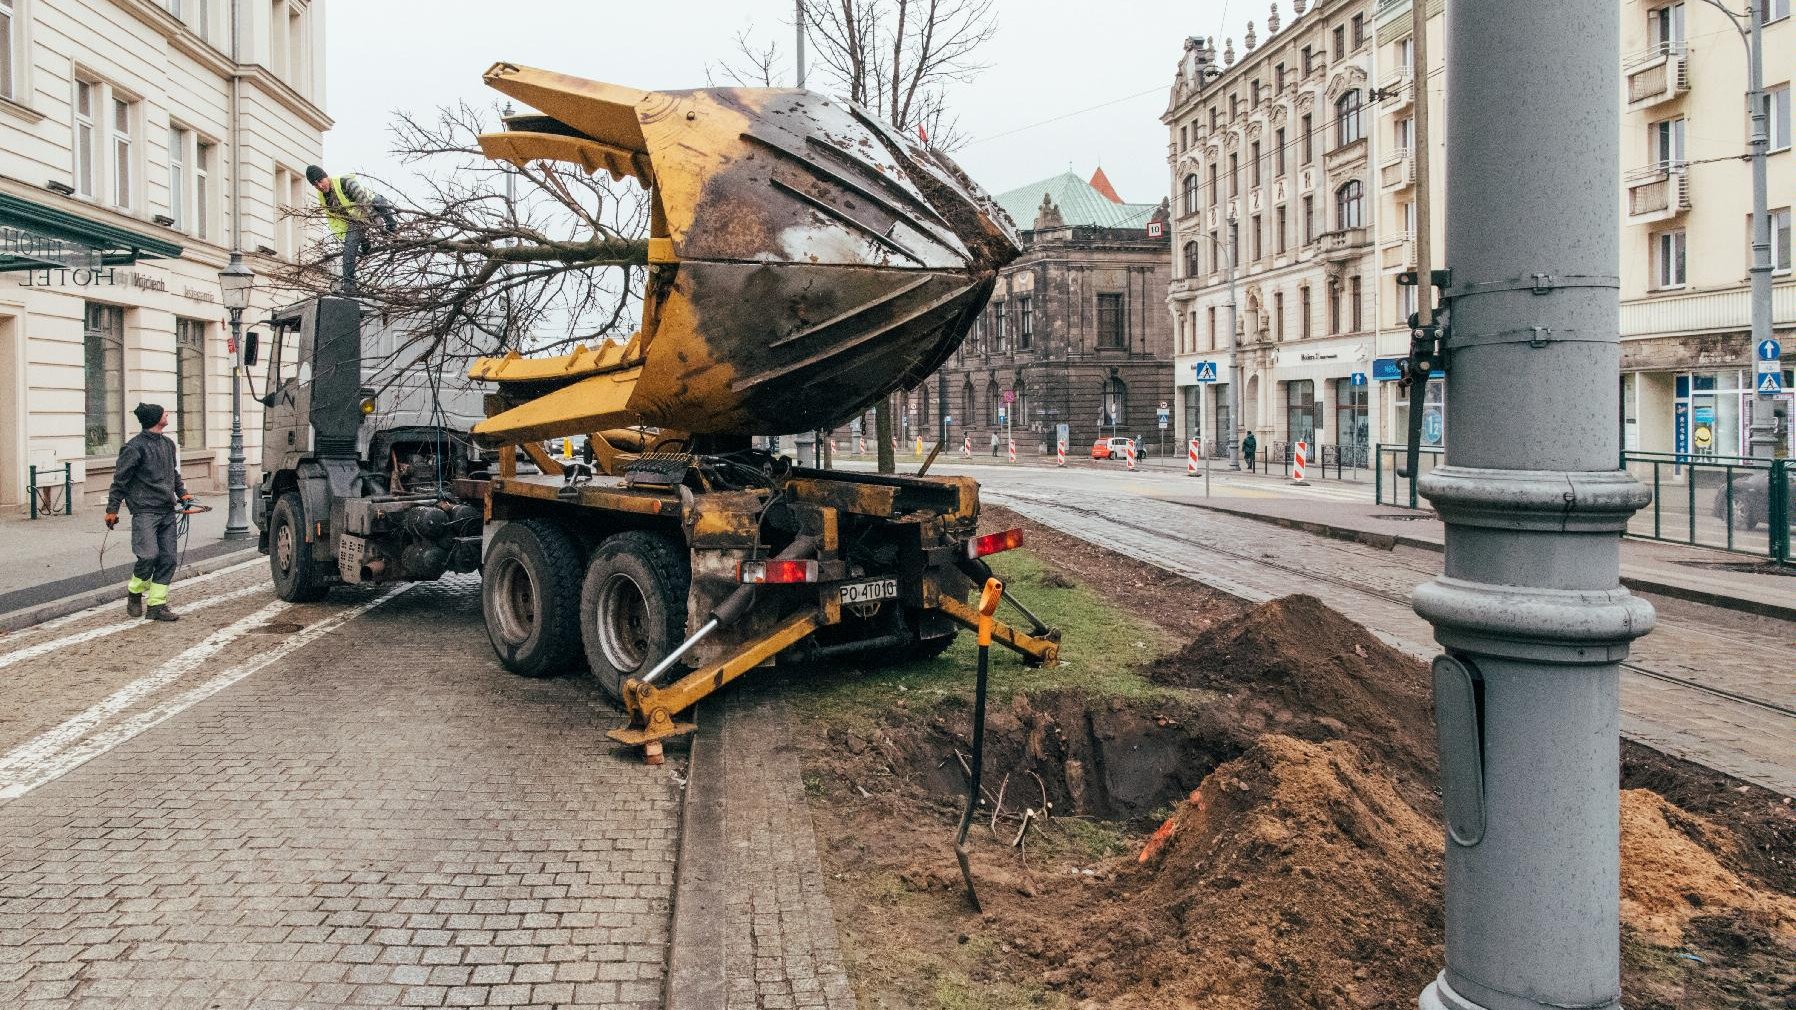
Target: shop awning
x,y
36,237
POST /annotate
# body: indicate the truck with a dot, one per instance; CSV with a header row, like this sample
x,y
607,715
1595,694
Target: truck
x,y
803,260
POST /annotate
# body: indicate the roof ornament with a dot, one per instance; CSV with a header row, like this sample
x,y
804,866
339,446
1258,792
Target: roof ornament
x,y
1048,216
1251,40
1272,21
1299,5
1228,53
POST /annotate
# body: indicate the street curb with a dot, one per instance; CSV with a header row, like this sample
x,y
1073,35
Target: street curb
x,y
25,617
1389,541
697,975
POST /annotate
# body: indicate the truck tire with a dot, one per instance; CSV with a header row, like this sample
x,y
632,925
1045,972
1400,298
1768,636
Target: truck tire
x,y
530,595
632,606
296,575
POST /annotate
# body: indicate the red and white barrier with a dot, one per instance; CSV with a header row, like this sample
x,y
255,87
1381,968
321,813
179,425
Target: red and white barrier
x,y
966,446
1191,454
860,445
1129,453
1302,459
1060,452
1013,450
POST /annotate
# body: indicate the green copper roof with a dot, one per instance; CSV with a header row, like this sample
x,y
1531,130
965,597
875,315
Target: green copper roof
x,y
1079,203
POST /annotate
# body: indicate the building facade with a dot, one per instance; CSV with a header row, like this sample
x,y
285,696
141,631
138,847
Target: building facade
x,y
1275,178
1686,204
139,143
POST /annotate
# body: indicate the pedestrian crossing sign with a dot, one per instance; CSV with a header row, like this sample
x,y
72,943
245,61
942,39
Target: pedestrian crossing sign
x,y
1771,382
1206,371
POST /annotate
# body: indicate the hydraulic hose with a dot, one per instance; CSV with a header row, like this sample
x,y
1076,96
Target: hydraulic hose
x,y
988,605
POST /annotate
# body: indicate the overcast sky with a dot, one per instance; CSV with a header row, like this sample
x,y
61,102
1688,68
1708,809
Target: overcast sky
x,y
1050,61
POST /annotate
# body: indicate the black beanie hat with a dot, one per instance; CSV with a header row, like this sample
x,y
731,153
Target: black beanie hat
x,y
314,174
148,413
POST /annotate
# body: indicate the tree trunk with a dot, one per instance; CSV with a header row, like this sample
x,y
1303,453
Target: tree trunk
x,y
882,430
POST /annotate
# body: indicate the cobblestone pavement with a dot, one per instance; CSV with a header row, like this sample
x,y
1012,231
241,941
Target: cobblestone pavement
x,y
1751,657
337,804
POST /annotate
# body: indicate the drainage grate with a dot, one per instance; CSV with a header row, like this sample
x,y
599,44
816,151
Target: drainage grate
x,y
1405,516
1743,567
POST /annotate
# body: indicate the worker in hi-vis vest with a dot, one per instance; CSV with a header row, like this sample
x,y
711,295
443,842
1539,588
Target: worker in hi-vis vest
x,y
348,205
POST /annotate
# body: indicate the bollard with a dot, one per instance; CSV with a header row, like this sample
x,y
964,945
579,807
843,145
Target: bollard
x,y
1060,452
1129,452
917,450
860,445
1301,461
1191,453
1012,451
966,446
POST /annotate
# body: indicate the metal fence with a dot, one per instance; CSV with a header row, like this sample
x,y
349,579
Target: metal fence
x,y
1731,503
1390,489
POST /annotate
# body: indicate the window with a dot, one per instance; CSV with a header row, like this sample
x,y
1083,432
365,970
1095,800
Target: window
x,y
994,401
121,154
86,94
1191,193
1309,138
1348,118
1778,101
1111,332
190,382
1254,102
1409,220
1780,240
286,228
1253,171
177,176
103,340
1668,259
1278,153
1116,402
1356,303
1283,224
1303,312
1026,321
1667,139
1259,246
1309,220
1000,329
1278,79
1215,194
1406,52
1278,316
1213,119
1234,244
1773,10
1359,31
1350,205
7,32
967,413
1215,253
202,189
1334,307
1666,27
1403,134
296,51
1192,261
1406,303
1234,176
1309,59
1212,327
1234,106
1340,42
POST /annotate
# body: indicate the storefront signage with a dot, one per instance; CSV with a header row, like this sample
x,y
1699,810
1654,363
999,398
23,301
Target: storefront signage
x,y
1318,356
1386,370
59,277
1681,415
45,251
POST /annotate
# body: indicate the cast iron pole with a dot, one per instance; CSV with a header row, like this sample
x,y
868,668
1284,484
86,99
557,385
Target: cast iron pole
x,y
236,472
1235,419
1761,436
1529,609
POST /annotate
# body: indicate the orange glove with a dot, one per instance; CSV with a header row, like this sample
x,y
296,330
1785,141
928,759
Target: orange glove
x,y
112,520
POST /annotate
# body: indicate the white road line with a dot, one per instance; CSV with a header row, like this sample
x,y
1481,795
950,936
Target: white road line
x,y
44,648
57,765
45,746
79,616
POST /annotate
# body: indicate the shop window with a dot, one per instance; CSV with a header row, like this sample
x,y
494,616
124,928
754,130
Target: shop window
x,y
103,340
190,382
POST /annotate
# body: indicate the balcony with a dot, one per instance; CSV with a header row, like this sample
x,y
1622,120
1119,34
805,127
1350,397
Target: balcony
x,y
1397,89
1656,75
1398,171
1658,192
1399,252
1344,244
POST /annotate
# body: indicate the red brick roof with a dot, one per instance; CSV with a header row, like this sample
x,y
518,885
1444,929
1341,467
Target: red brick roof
x,y
1101,183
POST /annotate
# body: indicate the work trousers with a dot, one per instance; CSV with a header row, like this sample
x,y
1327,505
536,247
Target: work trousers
x,y
354,241
155,541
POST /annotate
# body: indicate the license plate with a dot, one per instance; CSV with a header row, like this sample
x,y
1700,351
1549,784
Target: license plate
x,y
869,591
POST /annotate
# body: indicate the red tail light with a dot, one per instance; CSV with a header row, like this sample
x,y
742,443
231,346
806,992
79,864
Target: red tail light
x,y
776,571
994,543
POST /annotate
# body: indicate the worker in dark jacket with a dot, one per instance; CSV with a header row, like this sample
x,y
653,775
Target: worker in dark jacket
x,y
147,477
349,207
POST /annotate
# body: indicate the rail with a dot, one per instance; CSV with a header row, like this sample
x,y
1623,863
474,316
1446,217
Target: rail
x,y
1729,503
1390,489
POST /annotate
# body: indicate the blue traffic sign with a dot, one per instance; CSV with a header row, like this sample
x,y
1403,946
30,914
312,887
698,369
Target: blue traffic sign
x,y
1206,371
1357,379
1771,382
1770,350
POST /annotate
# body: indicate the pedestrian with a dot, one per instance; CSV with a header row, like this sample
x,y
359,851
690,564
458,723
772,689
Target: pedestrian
x,y
1249,446
995,442
147,477
347,205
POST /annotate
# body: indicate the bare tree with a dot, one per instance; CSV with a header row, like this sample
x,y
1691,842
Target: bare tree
x,y
897,58
490,257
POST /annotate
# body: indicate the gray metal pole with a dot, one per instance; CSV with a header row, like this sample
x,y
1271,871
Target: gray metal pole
x,y
1761,436
1530,610
798,39
236,473
1234,438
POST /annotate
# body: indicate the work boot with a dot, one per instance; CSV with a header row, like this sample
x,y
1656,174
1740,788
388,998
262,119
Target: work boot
x,y
160,612
134,604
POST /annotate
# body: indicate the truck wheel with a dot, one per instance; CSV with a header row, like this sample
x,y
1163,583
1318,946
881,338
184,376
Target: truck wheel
x,y
296,575
633,606
530,593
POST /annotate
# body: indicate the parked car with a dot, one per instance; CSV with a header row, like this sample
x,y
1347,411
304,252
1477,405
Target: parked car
x,y
1114,448
1751,498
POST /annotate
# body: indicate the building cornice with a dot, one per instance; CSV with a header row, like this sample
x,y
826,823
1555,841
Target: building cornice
x,y
185,41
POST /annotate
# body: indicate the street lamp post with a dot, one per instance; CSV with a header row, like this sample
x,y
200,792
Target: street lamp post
x,y
235,281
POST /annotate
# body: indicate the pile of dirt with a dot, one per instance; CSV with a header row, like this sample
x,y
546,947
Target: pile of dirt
x,y
1297,875
1295,667
1670,875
